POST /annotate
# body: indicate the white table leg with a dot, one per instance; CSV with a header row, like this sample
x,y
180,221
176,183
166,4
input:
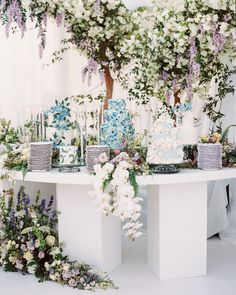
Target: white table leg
x,y
89,236
177,230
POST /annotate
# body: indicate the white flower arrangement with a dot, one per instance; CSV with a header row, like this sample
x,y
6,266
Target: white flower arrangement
x,y
116,191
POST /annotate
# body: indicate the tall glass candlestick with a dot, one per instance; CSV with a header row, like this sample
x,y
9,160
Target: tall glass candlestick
x,y
45,127
41,126
37,126
98,125
82,123
102,112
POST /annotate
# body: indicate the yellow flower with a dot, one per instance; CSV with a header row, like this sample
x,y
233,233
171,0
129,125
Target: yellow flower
x,y
216,137
13,259
50,240
28,256
204,139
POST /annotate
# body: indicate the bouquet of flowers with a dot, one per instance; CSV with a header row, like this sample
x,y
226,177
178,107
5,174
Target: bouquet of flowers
x,y
116,187
17,158
8,134
117,191
211,138
29,244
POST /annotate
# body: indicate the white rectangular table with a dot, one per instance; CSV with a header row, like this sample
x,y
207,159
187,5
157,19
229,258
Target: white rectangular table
x,y
177,220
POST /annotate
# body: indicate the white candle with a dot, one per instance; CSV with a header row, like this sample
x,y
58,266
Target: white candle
x,y
98,125
82,136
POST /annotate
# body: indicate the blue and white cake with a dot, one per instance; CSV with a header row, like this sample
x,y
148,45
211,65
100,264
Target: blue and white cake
x,y
165,147
117,127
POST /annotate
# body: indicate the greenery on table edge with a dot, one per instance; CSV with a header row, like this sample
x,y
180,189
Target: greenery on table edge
x,y
29,244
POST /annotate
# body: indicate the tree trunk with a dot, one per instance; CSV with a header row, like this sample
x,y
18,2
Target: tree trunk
x,y
177,99
109,87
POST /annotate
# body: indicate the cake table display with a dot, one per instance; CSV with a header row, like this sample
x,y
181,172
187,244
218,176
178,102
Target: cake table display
x,y
117,126
165,149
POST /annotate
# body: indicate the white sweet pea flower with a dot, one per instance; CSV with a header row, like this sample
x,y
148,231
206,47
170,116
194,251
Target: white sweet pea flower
x,y
103,158
108,167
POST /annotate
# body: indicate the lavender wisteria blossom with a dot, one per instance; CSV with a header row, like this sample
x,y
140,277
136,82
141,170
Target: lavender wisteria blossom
x,y
179,47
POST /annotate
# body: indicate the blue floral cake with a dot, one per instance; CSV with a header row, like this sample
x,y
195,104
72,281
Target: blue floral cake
x,y
117,127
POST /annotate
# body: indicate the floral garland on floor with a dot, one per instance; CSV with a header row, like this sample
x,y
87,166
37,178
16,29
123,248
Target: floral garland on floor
x,y
29,244
116,187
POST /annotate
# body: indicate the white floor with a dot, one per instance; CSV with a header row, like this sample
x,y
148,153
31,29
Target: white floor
x,y
134,277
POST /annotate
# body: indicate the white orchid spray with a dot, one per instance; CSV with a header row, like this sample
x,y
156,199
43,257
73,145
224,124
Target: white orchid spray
x,y
117,191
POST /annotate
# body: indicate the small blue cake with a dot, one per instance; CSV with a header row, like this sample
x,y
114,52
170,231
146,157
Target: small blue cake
x,y
117,126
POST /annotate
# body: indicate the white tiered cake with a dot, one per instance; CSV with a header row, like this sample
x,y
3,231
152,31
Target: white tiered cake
x,y
165,146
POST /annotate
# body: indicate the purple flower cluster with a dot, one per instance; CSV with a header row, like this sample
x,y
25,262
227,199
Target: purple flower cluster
x,y
14,13
219,41
59,19
97,6
194,68
90,69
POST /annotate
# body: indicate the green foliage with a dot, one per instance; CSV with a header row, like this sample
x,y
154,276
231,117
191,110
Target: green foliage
x,y
225,134
212,107
133,181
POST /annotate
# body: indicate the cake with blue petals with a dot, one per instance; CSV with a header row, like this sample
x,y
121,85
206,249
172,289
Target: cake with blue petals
x,y
117,127
165,146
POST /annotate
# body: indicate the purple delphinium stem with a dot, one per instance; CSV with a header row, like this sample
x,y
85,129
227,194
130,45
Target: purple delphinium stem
x,y
12,218
50,204
42,205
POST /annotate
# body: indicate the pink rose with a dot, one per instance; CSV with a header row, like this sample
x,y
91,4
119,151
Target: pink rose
x,y
116,152
41,255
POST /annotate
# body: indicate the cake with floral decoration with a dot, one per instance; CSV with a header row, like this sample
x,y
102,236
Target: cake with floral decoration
x,y
165,146
117,127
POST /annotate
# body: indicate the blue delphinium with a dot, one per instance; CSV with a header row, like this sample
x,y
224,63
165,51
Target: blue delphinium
x,y
117,127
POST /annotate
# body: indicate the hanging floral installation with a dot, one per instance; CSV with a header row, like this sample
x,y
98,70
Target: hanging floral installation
x,y
179,48
96,28
176,48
